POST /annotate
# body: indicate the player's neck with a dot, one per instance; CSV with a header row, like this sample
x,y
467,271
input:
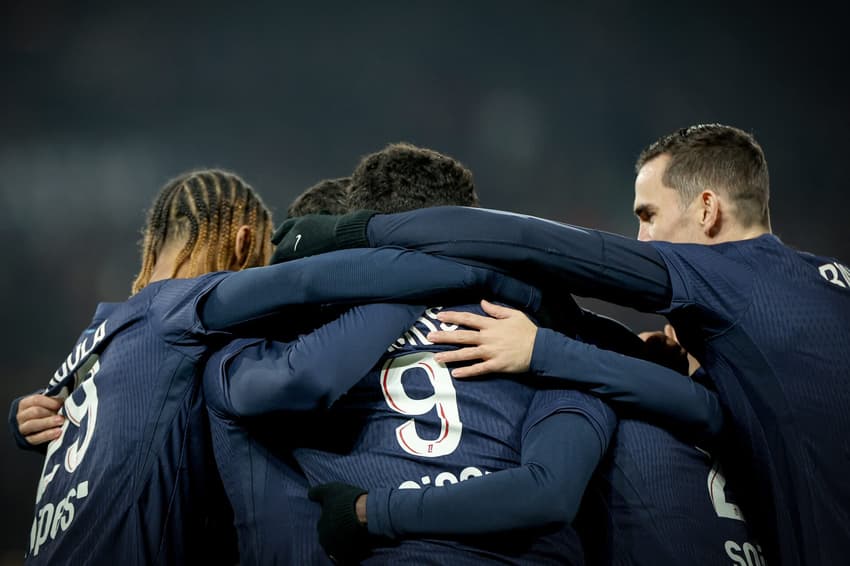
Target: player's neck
x,y
166,265
739,233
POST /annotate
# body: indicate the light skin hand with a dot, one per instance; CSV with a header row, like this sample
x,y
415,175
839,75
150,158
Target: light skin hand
x,y
360,508
38,419
671,341
503,341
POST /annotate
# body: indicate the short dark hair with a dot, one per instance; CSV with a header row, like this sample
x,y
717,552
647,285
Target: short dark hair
x,y
716,156
404,177
328,196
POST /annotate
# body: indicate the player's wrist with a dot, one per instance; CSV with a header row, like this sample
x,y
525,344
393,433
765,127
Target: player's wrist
x,y
350,230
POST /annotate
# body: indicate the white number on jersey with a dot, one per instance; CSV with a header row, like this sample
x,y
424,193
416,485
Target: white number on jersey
x,y
717,492
444,400
74,416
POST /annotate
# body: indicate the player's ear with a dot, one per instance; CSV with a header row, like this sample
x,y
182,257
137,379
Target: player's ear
x,y
710,211
242,247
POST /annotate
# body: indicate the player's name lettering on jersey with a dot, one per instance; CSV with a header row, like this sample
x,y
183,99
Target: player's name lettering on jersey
x,y
79,354
747,554
444,478
51,520
836,273
416,336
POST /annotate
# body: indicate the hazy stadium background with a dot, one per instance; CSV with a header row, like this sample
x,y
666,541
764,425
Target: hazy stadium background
x,y
548,103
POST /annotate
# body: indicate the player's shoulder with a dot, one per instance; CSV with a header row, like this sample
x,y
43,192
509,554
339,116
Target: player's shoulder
x,y
179,289
173,304
779,263
548,401
834,271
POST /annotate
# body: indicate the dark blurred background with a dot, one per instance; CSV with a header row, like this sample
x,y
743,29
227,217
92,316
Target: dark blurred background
x,y
548,103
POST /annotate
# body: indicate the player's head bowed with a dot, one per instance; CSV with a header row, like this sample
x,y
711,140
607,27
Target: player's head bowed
x,y
214,218
404,177
706,183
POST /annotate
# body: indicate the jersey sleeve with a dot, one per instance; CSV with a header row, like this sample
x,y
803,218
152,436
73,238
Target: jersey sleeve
x,y
590,262
712,282
264,376
636,385
559,454
174,309
548,402
353,277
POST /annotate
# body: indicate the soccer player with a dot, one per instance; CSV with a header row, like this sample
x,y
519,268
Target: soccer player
x,y
479,423
250,379
328,196
654,498
768,323
128,480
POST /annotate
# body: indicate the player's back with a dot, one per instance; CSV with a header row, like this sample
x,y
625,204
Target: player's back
x,y
127,481
408,424
778,349
275,522
655,499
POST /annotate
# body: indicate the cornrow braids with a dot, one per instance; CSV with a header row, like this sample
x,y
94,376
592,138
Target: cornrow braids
x,y
197,211
225,220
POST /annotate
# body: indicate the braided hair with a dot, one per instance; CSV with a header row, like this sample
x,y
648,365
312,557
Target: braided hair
x,y
206,209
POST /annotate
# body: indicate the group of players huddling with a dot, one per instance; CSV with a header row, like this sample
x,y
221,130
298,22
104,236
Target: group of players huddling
x,y
411,381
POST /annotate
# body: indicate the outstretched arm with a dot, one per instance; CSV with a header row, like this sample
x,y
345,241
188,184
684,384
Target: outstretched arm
x,y
590,262
558,458
314,370
509,342
349,277
560,451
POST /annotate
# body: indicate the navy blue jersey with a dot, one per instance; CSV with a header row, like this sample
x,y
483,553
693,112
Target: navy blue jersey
x,y
769,324
258,392
772,328
654,499
134,372
408,424
125,483
657,500
565,436
275,522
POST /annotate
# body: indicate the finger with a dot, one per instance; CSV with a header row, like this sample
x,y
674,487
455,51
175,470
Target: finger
x,y
39,400
37,425
670,332
44,436
468,319
474,370
461,337
646,335
461,355
498,311
34,413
